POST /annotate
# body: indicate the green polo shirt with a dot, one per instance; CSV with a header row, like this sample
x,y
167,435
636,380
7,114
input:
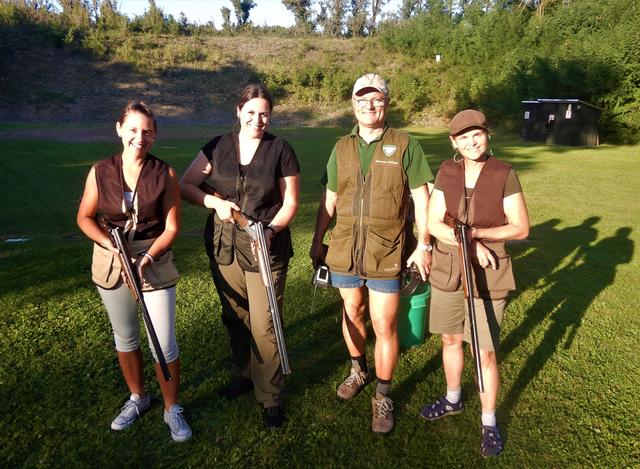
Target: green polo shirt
x,y
414,162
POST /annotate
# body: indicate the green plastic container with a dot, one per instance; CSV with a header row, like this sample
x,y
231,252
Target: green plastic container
x,y
412,317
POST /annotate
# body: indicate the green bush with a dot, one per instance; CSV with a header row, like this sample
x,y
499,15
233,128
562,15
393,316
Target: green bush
x,y
587,50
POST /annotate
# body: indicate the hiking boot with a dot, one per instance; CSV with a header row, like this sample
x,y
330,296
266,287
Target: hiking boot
x,y
441,408
273,416
180,429
351,386
131,410
235,388
491,442
382,421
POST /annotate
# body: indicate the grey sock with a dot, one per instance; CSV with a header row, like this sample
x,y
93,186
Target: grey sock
x,y
383,386
359,363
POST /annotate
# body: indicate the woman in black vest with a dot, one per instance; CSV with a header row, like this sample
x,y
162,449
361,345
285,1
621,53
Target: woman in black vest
x,y
484,193
139,193
254,172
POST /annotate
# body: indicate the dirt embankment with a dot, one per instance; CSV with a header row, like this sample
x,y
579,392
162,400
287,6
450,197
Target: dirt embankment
x,y
84,94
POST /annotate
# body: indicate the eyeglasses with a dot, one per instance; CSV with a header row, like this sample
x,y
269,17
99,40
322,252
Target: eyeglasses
x,y
364,103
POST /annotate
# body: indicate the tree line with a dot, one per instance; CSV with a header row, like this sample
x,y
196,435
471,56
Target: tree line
x,y
493,53
335,18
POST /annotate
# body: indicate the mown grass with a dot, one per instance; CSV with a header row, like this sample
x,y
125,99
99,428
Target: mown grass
x,y
569,358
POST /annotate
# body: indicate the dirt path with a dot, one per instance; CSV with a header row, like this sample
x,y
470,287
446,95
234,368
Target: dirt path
x,y
103,133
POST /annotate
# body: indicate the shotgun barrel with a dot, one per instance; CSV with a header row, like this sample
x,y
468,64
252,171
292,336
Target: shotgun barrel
x,y
256,231
463,235
135,285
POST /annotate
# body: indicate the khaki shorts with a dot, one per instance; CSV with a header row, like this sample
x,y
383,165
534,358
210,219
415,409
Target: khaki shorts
x,y
448,315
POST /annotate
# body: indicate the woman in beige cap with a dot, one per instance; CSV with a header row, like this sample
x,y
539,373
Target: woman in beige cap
x,y
484,193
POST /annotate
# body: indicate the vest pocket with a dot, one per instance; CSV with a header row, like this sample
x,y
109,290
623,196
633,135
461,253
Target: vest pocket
x,y
105,267
382,254
161,274
222,242
340,255
494,284
445,269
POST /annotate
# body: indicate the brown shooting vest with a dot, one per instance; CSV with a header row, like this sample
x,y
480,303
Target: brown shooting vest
x,y
149,192
484,210
105,267
368,238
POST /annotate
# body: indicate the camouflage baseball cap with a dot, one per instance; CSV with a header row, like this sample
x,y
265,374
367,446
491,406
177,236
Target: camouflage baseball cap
x,y
371,80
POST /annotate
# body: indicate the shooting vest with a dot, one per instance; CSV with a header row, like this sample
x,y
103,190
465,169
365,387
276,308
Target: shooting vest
x,y
484,210
149,192
369,237
257,193
111,210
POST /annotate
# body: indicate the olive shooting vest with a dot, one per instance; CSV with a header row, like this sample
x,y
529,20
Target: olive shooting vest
x,y
368,237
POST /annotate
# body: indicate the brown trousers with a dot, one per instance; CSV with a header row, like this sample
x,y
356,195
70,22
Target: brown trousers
x,y
245,314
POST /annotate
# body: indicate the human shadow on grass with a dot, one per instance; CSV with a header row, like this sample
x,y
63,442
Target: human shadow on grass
x,y
564,242
571,290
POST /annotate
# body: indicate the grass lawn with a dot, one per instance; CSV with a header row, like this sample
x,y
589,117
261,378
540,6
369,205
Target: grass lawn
x,y
569,356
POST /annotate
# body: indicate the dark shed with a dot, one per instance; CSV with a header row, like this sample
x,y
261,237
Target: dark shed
x,y
561,122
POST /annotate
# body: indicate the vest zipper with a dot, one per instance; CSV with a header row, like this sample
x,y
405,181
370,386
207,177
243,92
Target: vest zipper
x,y
360,240
240,186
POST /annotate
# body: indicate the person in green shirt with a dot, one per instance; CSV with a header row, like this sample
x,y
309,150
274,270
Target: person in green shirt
x,y
371,175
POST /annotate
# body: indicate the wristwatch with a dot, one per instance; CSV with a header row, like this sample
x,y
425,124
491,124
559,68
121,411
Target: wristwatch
x,y
426,247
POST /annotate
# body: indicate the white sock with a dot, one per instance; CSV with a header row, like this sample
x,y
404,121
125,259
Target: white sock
x,y
489,419
454,395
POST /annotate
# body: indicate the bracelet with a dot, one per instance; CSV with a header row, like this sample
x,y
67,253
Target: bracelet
x,y
270,228
149,256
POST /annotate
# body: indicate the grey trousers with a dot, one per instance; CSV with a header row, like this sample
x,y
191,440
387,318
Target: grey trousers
x,y
246,316
122,310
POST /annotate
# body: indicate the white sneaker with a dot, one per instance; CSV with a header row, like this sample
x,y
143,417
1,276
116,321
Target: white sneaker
x,y
180,429
131,410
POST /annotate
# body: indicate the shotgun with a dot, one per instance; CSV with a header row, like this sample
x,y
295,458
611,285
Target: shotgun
x,y
135,285
255,230
463,235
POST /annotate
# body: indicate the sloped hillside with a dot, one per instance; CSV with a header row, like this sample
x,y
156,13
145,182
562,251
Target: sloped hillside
x,y
185,79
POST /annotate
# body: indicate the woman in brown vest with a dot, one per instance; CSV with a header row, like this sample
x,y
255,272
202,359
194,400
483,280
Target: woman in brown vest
x,y
139,193
484,193
257,173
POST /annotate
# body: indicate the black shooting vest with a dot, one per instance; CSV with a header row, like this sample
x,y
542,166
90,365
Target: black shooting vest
x,y
258,196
